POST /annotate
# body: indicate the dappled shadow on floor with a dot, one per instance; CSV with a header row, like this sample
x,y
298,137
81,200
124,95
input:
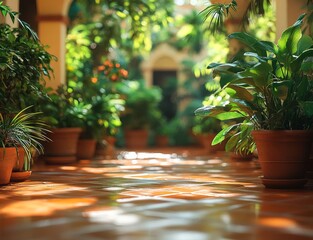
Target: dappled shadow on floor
x,y
162,194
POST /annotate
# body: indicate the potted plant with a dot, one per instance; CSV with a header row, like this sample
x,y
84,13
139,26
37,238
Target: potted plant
x,y
271,88
160,130
102,120
141,110
24,65
19,134
206,128
65,113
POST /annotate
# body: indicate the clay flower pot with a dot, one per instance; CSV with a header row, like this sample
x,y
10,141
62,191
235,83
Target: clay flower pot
x,y
18,167
283,156
62,149
86,148
161,141
136,139
8,157
20,176
18,173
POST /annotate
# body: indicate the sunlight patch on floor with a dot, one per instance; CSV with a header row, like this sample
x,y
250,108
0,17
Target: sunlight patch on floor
x,y
43,207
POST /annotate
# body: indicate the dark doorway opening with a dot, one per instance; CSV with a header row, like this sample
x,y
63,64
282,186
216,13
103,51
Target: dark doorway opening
x,y
167,81
28,13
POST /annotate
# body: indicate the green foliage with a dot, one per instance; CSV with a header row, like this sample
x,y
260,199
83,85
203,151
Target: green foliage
x,y
217,13
24,64
6,11
99,90
64,108
117,24
102,117
270,85
178,132
190,34
203,125
141,105
263,26
24,130
78,52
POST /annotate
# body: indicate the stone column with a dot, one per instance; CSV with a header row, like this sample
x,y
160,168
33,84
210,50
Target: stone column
x,y
14,5
52,23
233,25
287,13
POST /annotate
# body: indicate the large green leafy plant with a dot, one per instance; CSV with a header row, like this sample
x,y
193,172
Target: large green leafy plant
x,y
271,87
24,62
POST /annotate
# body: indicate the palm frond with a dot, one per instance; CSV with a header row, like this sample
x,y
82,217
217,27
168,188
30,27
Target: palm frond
x,y
216,14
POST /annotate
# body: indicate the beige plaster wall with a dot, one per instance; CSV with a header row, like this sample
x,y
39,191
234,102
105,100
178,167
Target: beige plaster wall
x,y
287,12
52,30
14,5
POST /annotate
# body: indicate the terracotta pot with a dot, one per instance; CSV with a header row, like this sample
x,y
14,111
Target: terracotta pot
x,y
106,147
206,142
20,176
136,139
161,141
86,148
110,140
62,148
8,157
283,156
19,166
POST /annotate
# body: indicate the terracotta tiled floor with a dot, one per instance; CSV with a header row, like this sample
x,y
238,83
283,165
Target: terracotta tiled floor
x,y
168,194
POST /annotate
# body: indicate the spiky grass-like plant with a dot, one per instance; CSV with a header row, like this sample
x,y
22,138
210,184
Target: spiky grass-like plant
x,y
24,130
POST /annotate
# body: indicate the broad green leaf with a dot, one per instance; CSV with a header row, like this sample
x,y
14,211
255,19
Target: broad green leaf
x,y
270,46
242,93
288,42
296,64
218,139
260,74
232,142
283,72
252,42
226,78
281,88
222,134
211,110
243,80
243,106
224,67
255,55
230,115
305,43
